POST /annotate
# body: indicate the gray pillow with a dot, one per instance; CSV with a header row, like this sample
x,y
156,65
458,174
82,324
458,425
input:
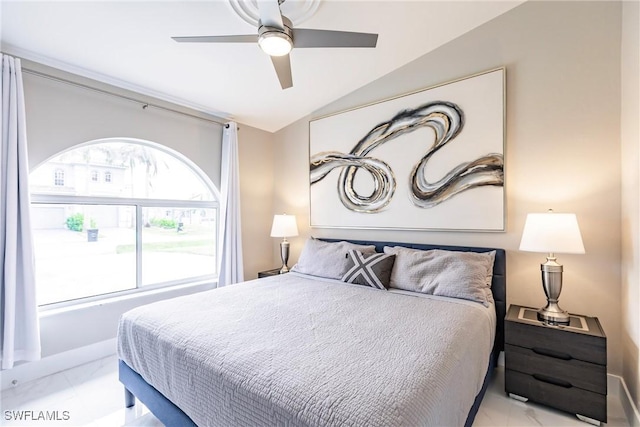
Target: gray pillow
x,y
327,259
464,275
369,269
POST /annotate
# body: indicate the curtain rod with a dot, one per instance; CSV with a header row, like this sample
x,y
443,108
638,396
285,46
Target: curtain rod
x,y
144,104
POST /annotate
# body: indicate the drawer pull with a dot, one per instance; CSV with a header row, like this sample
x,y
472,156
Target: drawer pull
x,y
551,353
551,380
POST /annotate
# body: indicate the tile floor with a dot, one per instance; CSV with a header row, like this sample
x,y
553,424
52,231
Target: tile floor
x,y
94,397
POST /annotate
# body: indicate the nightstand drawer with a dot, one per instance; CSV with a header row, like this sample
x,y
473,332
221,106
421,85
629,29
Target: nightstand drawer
x,y
584,375
575,345
570,399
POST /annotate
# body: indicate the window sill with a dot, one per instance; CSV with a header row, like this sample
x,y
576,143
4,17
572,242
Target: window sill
x,y
97,301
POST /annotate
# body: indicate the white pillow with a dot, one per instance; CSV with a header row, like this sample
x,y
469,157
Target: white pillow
x,y
464,275
327,259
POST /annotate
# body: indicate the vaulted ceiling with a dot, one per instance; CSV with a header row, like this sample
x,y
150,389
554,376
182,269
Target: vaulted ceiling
x,y
128,43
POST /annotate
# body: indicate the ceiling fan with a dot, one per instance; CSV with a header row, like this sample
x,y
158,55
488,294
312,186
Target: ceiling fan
x,y
276,37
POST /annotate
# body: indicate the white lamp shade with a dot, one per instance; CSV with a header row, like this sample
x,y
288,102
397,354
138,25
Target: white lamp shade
x,y
552,233
284,226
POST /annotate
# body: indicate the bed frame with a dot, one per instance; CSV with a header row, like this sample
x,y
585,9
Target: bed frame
x,y
170,415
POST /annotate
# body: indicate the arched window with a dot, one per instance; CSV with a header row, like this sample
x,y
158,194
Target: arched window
x,y
154,225
94,176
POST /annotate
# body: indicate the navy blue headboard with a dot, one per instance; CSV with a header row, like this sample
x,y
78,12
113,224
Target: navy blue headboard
x,y
498,284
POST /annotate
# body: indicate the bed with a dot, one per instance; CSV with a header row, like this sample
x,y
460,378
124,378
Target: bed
x,y
298,349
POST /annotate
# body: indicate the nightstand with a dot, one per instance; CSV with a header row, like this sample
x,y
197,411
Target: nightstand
x,y
269,273
564,367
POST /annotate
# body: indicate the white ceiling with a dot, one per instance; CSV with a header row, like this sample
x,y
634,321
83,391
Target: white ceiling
x,y
128,43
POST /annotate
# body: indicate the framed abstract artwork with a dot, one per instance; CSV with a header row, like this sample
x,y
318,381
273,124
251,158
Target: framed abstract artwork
x,y
431,159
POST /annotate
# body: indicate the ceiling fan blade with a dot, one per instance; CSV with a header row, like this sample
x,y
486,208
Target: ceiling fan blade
x,y
248,38
270,14
326,38
282,64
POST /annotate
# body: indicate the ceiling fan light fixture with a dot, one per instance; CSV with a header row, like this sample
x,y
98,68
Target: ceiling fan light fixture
x,y
275,43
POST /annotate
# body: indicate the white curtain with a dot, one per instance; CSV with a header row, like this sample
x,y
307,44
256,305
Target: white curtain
x,y
20,335
230,242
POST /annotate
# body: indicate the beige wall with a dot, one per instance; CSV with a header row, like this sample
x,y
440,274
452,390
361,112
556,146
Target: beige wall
x,y
630,143
291,177
562,146
256,203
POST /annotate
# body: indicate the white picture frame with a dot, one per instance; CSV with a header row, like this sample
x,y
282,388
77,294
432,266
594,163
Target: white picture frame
x,y
427,160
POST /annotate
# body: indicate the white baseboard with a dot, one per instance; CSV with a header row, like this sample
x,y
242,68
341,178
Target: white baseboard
x,y
30,371
617,386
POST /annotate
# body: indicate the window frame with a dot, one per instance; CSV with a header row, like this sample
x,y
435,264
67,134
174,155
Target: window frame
x,y
58,177
139,204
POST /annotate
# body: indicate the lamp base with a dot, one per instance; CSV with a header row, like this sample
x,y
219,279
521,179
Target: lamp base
x,y
552,284
553,314
284,255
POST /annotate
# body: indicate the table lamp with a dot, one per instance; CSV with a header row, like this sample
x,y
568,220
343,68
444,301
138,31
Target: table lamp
x,y
284,226
552,233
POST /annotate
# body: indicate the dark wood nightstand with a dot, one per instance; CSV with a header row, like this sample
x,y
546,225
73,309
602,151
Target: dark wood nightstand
x,y
269,273
564,367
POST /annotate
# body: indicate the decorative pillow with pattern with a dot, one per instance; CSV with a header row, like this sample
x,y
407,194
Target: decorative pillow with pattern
x,y
369,269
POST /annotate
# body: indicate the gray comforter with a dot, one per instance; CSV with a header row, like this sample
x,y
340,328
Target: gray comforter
x,y
298,350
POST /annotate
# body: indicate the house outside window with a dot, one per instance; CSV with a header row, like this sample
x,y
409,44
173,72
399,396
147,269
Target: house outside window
x,y
154,226
58,178
94,176
107,177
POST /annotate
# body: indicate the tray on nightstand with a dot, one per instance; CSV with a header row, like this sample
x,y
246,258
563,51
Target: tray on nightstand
x,y
576,321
